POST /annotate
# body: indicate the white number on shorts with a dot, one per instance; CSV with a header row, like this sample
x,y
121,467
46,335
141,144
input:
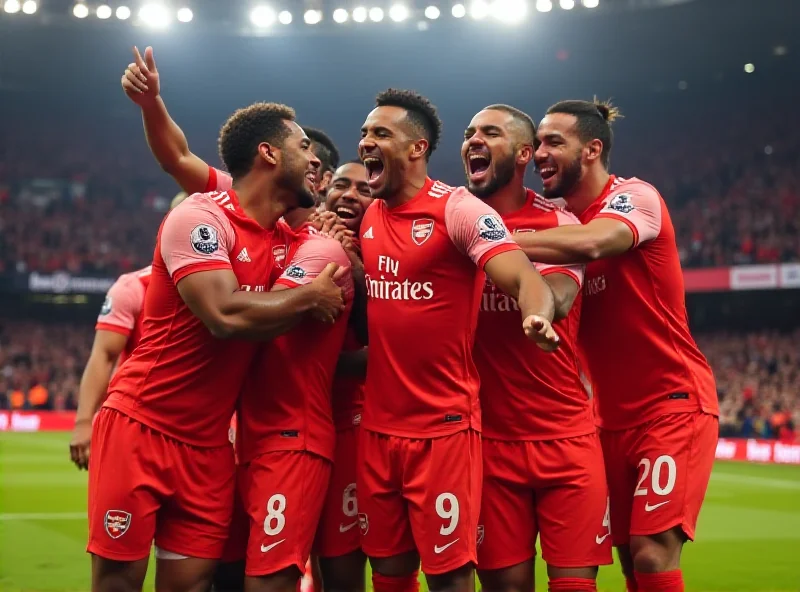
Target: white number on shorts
x,y
349,502
672,474
607,516
275,520
447,513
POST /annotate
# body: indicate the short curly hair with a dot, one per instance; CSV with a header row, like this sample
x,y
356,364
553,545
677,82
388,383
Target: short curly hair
x,y
246,129
323,148
522,120
422,114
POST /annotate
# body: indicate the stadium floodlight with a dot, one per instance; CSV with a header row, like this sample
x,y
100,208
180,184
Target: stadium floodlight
x,y
398,12
29,6
262,16
432,12
376,14
749,68
340,15
591,3
479,9
458,11
567,4
103,11
509,11
185,15
285,17
312,17
544,5
123,13
11,6
154,14
359,14
80,10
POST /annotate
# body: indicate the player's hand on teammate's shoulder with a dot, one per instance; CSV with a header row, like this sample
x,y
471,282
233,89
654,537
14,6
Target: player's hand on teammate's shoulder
x,y
140,80
329,224
540,330
80,445
329,301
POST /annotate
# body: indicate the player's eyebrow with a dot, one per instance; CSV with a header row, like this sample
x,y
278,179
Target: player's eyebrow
x,y
550,137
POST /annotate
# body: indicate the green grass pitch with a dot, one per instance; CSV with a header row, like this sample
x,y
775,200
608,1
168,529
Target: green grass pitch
x,y
749,531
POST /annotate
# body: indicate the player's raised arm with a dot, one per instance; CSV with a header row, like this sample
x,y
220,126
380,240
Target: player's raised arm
x,y
165,138
630,217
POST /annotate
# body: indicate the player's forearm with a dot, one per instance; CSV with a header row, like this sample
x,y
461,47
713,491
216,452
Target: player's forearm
x,y
563,245
535,296
262,315
94,386
353,363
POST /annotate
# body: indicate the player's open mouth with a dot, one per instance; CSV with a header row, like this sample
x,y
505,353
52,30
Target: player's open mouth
x,y
311,178
374,166
478,165
346,213
547,173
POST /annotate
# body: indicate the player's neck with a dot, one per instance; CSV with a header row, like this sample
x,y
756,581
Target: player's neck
x,y
262,201
297,217
509,198
588,190
412,185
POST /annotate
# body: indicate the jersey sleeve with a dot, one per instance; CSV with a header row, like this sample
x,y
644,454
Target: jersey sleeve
x,y
195,237
218,180
639,206
475,228
122,306
576,272
310,259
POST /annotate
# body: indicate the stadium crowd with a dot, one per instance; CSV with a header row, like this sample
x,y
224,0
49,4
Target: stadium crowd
x,y
758,374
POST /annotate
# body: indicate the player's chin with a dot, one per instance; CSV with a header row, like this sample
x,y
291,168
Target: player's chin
x,y
306,198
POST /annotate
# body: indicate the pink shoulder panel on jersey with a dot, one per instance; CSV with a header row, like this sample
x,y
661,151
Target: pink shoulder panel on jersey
x,y
575,271
218,180
638,205
311,257
196,236
475,228
123,305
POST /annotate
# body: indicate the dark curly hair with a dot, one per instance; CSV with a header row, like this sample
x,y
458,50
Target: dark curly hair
x,y
422,114
246,129
594,122
323,148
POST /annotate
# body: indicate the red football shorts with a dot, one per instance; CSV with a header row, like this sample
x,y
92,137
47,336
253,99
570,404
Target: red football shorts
x,y
338,533
658,473
236,546
555,489
420,494
144,486
283,493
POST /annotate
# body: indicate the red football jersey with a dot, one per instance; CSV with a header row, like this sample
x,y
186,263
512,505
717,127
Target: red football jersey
x,y
122,309
641,357
348,391
286,401
423,262
182,381
526,393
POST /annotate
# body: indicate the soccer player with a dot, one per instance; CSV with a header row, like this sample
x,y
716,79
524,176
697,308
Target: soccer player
x,y
169,407
338,542
142,84
656,398
425,245
117,332
542,461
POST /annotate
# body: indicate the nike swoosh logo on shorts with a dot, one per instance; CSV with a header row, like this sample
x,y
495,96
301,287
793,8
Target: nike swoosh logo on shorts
x,y
346,527
265,548
649,508
599,539
437,549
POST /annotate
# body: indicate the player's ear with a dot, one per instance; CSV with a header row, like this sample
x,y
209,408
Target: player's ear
x,y
525,155
419,148
268,153
593,149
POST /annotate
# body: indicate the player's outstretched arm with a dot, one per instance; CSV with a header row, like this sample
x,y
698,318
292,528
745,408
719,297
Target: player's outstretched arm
x,y
165,138
107,347
513,274
214,297
600,238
